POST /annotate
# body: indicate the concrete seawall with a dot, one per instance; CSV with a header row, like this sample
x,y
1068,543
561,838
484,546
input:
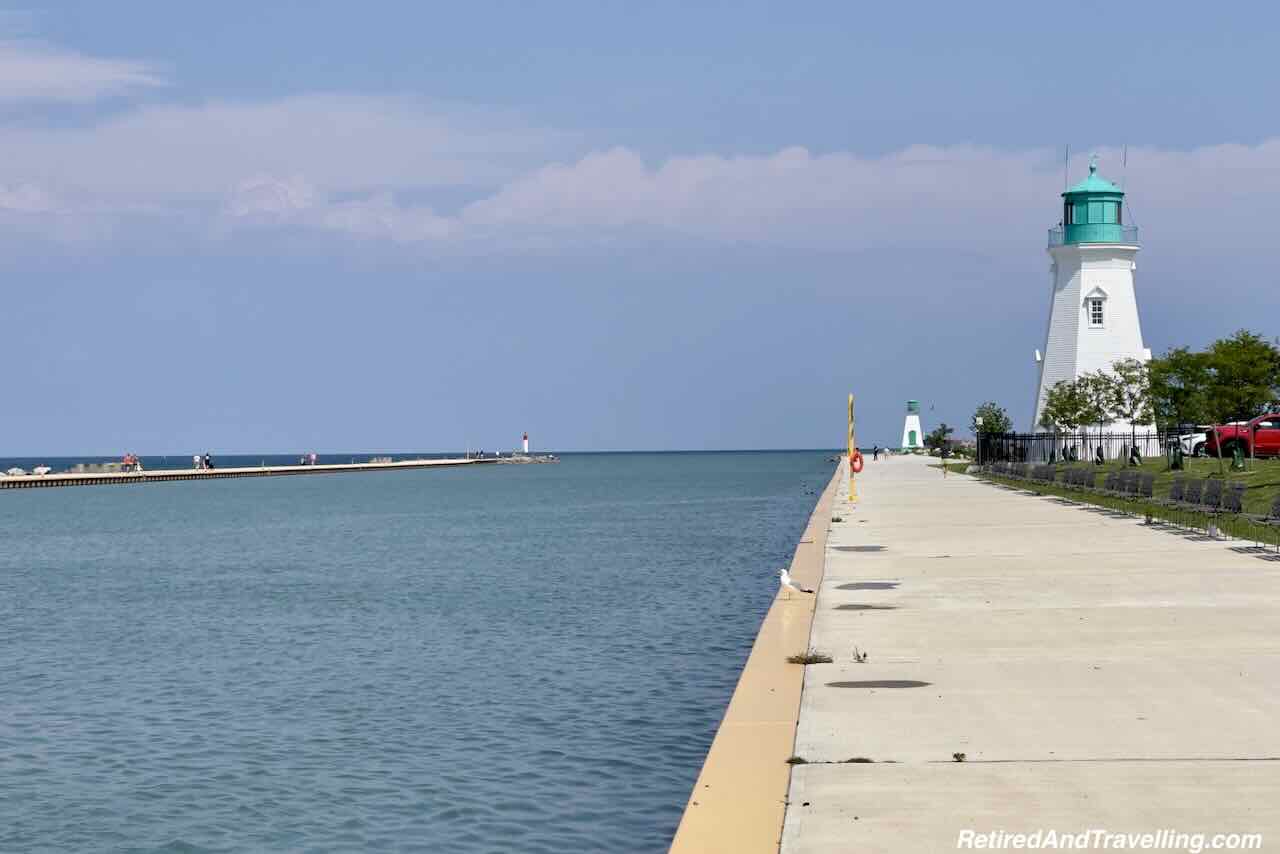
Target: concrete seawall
x,y
160,475
738,802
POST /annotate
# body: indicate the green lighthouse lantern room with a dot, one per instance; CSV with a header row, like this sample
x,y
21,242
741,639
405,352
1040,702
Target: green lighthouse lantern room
x,y
1093,212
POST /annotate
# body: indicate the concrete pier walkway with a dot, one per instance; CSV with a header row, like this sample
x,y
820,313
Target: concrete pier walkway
x,y
160,475
1093,672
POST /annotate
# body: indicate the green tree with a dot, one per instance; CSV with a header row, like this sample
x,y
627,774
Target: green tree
x,y
938,436
1131,395
1064,406
994,419
1180,387
1097,392
1244,376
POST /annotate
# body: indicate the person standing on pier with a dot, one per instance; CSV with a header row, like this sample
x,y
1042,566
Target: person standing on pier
x,y
195,462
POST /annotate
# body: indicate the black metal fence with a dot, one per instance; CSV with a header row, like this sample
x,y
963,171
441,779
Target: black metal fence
x,y
1078,446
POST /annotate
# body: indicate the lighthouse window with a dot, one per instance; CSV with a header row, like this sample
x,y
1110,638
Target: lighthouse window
x,y
1095,312
1095,211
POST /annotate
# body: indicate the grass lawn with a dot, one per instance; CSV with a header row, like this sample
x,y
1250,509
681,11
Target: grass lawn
x,y
1262,479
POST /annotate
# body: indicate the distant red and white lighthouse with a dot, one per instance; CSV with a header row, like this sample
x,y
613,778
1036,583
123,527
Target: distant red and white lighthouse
x,y
526,443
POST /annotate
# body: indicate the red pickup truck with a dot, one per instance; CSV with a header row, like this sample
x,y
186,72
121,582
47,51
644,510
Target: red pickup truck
x,y
1262,435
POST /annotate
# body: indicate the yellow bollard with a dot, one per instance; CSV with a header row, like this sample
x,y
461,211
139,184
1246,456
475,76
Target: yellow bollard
x,y
853,446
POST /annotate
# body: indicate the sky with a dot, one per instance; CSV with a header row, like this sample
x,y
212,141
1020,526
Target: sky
x,y
247,227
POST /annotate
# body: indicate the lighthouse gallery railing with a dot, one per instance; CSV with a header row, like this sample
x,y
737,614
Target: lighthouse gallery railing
x,y
1096,232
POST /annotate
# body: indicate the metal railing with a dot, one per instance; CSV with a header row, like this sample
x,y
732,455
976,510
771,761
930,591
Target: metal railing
x,y
1076,446
1093,232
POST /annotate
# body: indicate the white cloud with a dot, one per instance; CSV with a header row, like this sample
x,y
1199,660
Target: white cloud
x,y
340,143
922,196
397,169
271,198
25,198
269,201
32,71
791,197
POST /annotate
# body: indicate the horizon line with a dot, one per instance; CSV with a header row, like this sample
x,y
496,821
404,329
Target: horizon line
x,y
10,456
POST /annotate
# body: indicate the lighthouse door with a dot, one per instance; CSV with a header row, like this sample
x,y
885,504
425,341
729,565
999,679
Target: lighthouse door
x,y
911,439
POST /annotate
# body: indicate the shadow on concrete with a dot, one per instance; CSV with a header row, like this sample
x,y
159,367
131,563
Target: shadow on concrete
x,y
862,607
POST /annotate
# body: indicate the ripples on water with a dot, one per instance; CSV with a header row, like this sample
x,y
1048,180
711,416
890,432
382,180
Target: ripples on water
x,y
511,658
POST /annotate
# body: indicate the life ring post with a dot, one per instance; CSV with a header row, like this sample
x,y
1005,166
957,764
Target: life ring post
x,y
855,456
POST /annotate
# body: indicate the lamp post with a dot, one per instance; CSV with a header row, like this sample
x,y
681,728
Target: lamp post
x,y
977,420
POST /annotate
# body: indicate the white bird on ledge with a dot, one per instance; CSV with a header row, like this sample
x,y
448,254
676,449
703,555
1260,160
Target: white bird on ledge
x,y
787,585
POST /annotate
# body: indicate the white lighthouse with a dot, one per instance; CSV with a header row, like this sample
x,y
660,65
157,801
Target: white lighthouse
x,y
525,447
1093,309
912,432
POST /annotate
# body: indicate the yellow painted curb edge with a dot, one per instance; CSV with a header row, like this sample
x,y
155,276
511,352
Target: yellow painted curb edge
x,y
739,801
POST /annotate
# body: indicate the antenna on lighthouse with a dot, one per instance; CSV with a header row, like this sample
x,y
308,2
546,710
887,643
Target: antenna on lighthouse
x,y
1066,165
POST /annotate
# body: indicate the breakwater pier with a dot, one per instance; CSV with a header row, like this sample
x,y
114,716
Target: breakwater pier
x,y
121,478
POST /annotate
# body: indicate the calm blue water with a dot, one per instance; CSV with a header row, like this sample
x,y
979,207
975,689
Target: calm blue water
x,y
508,658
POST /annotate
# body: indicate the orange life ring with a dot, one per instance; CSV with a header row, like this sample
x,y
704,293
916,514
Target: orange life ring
x,y
855,462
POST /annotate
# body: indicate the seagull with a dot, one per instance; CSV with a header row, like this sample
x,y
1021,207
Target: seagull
x,y
787,585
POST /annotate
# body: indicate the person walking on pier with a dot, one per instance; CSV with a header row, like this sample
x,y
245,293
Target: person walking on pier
x,y
208,462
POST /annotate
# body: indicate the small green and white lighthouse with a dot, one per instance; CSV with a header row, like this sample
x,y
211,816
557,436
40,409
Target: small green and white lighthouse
x,y
1093,305
912,432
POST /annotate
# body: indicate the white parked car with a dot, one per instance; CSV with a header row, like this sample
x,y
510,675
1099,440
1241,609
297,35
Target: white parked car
x,y
1193,441
16,472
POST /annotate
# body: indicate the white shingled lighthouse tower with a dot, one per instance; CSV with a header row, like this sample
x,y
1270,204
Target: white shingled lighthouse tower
x,y
1093,309
912,432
